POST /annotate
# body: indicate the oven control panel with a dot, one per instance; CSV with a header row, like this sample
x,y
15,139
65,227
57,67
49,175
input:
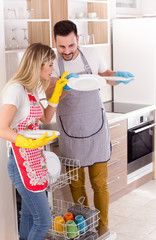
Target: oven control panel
x,y
140,118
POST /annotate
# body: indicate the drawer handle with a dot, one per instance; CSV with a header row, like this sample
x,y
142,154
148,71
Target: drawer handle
x,y
117,125
115,143
118,160
116,179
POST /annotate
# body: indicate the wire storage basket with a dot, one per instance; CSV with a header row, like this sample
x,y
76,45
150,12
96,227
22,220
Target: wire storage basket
x,y
69,172
62,230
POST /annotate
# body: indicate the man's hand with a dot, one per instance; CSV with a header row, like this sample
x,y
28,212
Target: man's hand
x,y
124,75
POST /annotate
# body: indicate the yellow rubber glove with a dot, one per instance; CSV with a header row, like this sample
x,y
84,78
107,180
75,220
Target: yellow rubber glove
x,y
31,143
54,100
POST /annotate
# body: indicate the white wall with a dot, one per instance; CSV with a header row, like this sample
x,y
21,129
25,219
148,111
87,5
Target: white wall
x,y
7,210
148,6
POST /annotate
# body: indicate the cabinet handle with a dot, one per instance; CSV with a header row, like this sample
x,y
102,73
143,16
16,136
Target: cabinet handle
x,y
115,143
118,160
116,125
116,179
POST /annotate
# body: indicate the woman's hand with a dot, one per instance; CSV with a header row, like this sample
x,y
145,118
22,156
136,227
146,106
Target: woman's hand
x,y
54,100
24,142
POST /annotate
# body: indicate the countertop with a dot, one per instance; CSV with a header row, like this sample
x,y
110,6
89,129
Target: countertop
x,y
115,117
112,117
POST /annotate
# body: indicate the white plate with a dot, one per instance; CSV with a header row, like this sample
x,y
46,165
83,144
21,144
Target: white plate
x,y
53,165
113,78
86,82
37,133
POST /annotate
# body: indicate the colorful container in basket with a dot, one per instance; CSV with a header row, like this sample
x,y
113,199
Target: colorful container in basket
x,y
81,223
59,224
71,229
68,216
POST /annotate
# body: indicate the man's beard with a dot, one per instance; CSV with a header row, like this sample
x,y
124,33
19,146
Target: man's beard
x,y
69,56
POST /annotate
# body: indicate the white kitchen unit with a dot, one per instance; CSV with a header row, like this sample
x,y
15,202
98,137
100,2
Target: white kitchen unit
x,y
134,50
8,223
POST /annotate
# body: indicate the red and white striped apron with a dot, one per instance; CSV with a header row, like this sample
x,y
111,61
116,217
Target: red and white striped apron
x,y
32,162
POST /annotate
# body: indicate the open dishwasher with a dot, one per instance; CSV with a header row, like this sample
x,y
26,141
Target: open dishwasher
x,y
60,230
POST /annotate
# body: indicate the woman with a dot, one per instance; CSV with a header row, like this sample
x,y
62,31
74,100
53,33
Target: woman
x,y
22,111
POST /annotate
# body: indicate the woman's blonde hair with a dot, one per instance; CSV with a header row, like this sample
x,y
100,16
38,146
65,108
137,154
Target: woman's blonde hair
x,y
28,73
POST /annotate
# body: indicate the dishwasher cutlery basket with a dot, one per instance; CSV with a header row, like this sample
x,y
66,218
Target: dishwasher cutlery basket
x,y
61,207
89,214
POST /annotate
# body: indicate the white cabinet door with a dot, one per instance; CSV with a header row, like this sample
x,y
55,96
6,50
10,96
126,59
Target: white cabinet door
x,y
134,50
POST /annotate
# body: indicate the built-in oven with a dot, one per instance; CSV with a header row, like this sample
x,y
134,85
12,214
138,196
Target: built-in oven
x,y
140,136
140,141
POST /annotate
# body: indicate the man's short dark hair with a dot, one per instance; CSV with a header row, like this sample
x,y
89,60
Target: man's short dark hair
x,y
64,28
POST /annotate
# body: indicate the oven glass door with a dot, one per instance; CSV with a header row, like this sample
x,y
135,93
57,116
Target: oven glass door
x,y
140,141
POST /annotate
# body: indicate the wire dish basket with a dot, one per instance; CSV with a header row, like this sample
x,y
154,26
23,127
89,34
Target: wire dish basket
x,y
60,230
69,172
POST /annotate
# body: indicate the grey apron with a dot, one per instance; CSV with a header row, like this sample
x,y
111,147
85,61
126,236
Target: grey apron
x,y
82,122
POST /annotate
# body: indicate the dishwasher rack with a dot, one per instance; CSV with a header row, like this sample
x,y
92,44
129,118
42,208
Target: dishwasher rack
x,y
69,172
61,207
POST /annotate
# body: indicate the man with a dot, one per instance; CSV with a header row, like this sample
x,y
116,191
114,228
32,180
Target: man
x,y
81,118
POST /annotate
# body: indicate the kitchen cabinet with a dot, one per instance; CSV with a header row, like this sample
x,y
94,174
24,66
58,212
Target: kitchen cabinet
x,y
30,21
26,22
93,20
90,16
117,166
134,51
39,28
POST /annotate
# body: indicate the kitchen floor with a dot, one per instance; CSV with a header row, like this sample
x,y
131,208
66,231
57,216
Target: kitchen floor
x,y
133,217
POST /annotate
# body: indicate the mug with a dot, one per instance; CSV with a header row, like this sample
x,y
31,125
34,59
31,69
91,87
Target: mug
x,y
71,229
81,223
68,216
59,224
